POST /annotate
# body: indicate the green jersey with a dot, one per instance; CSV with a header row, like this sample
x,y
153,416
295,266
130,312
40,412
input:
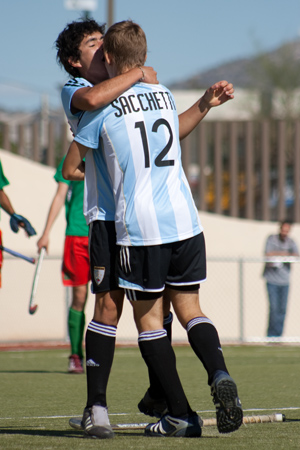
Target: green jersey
x,y
3,180
76,224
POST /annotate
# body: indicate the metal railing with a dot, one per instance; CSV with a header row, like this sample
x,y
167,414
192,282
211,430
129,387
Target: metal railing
x,y
234,297
246,169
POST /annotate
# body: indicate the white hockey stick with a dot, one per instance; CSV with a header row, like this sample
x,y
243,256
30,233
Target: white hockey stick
x,y
75,422
32,306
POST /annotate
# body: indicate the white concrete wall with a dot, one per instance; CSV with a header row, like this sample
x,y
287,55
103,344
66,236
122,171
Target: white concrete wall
x,y
244,107
31,191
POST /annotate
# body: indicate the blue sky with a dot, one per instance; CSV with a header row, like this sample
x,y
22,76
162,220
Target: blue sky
x,y
184,38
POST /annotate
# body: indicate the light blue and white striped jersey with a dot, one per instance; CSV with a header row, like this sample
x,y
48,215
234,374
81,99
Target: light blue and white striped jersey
x,y
97,184
66,97
136,138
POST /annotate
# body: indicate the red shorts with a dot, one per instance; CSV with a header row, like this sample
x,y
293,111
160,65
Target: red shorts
x,y
76,266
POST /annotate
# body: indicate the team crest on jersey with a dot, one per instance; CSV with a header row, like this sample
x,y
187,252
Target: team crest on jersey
x,y
99,274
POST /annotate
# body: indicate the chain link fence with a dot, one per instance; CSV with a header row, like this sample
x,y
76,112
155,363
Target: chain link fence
x,y
234,297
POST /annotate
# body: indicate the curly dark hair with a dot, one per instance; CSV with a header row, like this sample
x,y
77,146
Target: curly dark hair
x,y
68,42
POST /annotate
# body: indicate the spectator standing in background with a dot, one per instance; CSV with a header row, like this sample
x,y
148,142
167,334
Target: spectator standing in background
x,y
277,275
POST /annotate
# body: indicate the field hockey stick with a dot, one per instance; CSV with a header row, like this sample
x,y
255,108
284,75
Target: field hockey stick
x,y
17,254
32,306
75,422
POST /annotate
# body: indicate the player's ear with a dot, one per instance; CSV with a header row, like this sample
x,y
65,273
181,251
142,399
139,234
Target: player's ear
x,y
74,62
108,58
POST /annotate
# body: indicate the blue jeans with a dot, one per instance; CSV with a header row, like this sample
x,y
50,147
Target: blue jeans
x,y
278,297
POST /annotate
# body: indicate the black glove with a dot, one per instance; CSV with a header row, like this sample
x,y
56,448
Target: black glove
x,y
16,219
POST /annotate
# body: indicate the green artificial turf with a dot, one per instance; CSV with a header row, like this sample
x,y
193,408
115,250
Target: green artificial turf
x,y
38,397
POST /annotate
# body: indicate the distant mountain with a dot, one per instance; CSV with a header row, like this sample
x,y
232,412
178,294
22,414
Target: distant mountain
x,y
245,73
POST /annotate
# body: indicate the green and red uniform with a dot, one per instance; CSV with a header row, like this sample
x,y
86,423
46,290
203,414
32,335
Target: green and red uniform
x,y
3,182
75,266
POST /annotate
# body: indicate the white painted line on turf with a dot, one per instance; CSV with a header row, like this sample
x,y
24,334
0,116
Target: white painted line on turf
x,y
55,417
289,408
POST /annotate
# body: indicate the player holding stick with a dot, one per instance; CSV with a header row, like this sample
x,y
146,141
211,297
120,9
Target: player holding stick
x,y
155,347
16,221
75,266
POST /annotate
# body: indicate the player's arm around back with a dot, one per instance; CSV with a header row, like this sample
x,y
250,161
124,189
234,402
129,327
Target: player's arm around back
x,y
73,166
100,95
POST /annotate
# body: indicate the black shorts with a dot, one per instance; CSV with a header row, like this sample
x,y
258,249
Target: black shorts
x,y
103,254
144,271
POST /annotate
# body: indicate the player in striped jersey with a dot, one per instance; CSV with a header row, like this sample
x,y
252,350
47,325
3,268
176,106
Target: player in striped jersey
x,y
79,52
158,229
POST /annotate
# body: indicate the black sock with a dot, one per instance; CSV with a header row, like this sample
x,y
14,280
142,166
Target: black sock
x,y
168,325
205,342
158,354
99,347
155,389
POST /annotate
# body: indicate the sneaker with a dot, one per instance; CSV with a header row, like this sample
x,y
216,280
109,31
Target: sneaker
x,y
75,364
168,426
95,423
228,405
152,407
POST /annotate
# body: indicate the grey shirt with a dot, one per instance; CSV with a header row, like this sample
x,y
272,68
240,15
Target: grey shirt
x,y
279,273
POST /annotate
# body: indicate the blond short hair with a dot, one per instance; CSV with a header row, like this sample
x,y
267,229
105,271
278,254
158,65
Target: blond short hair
x,y
127,45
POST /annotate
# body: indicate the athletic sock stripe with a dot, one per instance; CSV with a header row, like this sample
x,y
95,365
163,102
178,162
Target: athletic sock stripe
x,y
168,319
100,328
196,321
151,335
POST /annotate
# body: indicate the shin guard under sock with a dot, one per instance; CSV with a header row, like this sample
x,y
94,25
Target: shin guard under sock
x,y
99,347
159,356
204,340
76,323
168,325
155,390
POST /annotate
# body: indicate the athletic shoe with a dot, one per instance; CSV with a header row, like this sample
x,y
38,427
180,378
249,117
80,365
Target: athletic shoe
x,y
75,364
153,407
95,423
168,426
228,405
